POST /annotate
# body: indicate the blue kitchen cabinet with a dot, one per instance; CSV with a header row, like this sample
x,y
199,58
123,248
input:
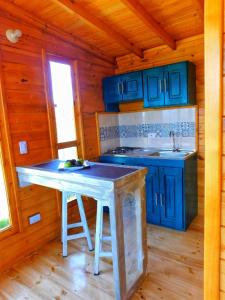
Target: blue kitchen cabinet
x,y
152,196
171,195
170,85
112,89
180,84
122,88
132,88
153,87
175,78
171,189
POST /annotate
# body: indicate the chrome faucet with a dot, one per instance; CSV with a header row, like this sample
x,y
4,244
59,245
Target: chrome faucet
x,y
173,136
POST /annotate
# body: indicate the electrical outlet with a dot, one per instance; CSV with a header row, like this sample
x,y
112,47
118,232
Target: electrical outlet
x,y
23,147
151,139
152,134
34,218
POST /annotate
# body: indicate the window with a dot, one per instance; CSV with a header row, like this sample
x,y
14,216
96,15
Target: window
x,y
64,110
5,220
9,215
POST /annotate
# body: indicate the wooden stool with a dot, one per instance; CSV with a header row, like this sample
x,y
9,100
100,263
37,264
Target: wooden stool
x,y
66,226
99,236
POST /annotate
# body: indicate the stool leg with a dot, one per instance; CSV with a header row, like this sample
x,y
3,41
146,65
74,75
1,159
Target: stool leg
x,y
98,236
84,222
101,228
64,223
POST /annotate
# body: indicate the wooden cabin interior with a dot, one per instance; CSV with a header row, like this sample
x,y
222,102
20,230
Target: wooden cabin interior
x,y
106,45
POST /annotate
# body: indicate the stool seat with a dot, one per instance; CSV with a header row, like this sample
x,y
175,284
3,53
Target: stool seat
x,y
65,226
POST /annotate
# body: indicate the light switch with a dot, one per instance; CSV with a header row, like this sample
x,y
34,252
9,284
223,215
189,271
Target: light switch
x,y
23,147
34,219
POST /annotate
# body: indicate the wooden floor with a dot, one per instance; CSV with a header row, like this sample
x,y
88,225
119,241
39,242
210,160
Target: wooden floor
x,y
175,270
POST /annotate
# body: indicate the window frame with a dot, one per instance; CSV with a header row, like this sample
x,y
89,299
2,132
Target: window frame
x,y
8,164
52,119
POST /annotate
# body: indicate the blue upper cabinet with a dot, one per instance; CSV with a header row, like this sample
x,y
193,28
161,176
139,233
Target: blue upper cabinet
x,y
132,88
176,92
120,88
179,84
153,87
112,89
170,194
170,85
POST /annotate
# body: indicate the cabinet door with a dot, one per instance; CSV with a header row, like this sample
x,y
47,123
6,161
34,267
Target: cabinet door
x,y
132,88
153,87
152,196
112,89
171,197
176,84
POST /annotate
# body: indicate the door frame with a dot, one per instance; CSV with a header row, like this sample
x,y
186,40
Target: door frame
x,y
213,59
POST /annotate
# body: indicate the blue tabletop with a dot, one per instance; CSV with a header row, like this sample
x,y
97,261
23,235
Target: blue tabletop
x,y
95,170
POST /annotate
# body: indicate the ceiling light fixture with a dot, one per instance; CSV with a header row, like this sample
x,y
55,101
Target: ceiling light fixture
x,y
13,35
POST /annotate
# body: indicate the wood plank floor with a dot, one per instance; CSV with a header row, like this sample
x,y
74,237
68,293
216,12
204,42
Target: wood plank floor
x,y
175,270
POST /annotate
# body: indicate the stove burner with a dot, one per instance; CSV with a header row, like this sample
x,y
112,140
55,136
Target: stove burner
x,y
121,150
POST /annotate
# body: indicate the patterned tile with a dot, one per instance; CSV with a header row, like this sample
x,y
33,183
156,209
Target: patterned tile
x,y
181,129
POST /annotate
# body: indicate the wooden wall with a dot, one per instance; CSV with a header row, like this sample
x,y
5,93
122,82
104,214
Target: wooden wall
x,y
90,87
191,49
222,265
24,87
22,73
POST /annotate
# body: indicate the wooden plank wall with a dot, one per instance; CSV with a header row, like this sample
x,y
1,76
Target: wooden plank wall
x,y
191,49
222,265
213,43
25,98
90,87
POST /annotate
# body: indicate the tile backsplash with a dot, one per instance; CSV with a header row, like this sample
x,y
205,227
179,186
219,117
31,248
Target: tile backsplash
x,y
148,128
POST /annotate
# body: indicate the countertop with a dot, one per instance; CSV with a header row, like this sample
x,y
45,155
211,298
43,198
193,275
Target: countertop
x,y
156,153
97,172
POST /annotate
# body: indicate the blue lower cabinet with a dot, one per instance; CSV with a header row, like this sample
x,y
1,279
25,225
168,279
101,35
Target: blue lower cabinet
x,y
152,196
171,189
171,197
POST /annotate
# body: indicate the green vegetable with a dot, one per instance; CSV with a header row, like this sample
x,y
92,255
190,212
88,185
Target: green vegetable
x,y
80,161
73,163
67,164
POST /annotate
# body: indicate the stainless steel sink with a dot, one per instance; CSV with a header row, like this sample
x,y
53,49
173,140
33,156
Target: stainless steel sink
x,y
156,152
170,153
173,154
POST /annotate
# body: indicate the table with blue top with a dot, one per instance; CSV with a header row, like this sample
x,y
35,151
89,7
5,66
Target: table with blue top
x,y
123,189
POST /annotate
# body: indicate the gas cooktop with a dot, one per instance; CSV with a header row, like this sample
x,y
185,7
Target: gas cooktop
x,y
121,150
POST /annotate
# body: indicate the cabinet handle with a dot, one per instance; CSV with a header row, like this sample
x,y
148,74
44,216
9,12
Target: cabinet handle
x,y
161,199
156,199
160,86
122,84
165,85
118,87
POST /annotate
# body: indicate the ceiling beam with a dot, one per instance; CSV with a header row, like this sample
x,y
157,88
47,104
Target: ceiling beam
x,y
28,18
72,6
148,20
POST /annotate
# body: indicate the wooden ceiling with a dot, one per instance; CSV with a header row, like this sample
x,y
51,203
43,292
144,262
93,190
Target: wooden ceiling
x,y
120,27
